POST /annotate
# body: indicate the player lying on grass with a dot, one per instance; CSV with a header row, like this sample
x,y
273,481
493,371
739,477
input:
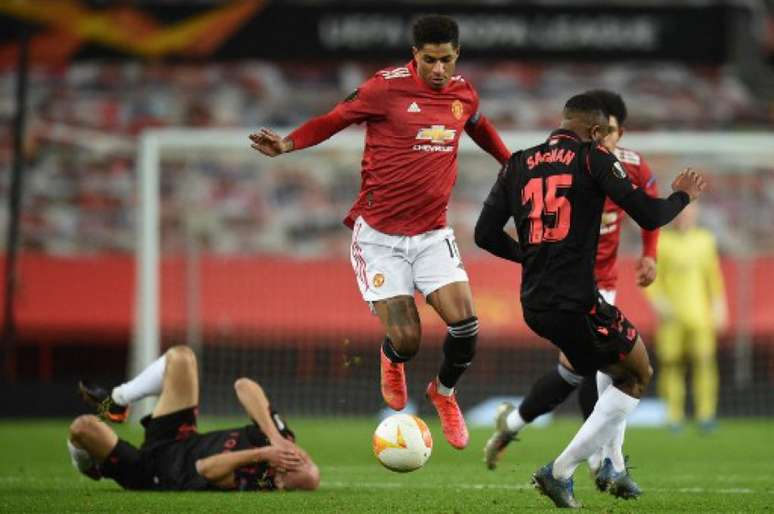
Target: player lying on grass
x,y
174,456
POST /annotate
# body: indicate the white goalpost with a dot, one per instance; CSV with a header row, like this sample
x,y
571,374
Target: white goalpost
x,y
724,153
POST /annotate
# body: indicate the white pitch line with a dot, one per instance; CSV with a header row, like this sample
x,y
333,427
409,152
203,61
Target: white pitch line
x,y
700,490
726,478
521,487
394,485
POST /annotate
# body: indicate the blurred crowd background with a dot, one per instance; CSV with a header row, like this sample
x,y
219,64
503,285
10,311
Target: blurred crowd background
x,y
85,118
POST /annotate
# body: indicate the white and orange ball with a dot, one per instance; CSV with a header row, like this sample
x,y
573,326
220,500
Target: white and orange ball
x,y
402,443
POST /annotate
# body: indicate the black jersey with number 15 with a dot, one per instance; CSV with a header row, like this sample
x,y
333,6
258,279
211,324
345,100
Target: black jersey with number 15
x,y
555,192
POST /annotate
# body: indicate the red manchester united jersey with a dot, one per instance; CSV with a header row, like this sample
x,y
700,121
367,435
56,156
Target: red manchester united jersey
x,y
605,269
410,158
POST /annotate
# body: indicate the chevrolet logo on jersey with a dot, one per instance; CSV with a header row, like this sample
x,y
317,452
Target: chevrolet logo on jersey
x,y
438,134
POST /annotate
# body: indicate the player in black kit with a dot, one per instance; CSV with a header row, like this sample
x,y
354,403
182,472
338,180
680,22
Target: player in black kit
x,y
555,193
174,456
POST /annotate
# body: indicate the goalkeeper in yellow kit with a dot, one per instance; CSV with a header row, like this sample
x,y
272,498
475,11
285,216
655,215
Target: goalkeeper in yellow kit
x,y
689,298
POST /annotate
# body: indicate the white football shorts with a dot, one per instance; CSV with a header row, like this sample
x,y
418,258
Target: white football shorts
x,y
608,295
387,266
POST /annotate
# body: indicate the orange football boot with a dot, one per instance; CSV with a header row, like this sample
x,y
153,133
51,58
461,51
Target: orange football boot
x,y
452,421
393,383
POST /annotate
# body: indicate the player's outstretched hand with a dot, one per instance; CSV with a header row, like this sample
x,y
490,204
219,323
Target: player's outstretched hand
x,y
691,182
269,142
646,271
283,459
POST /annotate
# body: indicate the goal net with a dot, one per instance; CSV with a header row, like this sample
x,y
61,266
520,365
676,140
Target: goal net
x,y
245,259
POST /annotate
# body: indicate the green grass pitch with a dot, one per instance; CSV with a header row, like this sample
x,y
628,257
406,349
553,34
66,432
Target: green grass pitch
x,y
731,470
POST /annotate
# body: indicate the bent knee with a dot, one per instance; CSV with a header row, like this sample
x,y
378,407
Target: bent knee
x,y
634,383
649,375
243,383
181,355
83,426
643,377
406,340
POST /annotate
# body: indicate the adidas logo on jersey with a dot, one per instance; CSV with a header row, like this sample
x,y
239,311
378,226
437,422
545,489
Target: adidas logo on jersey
x,y
413,108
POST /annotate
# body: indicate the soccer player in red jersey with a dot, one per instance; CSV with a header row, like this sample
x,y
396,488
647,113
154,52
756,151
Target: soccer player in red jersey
x,y
606,271
554,387
414,116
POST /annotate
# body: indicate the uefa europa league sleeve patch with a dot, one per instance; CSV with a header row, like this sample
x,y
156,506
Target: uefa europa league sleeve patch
x,y
618,170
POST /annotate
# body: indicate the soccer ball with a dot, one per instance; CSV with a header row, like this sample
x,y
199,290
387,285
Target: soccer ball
x,y
402,443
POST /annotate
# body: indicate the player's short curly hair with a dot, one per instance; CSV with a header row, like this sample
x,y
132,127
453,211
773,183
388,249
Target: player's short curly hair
x,y
587,107
613,102
435,29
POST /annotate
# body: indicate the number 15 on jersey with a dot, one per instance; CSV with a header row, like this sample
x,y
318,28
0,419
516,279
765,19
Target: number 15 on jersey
x,y
545,201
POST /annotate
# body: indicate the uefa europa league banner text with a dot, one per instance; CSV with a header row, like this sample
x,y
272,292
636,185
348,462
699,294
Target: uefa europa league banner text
x,y
254,29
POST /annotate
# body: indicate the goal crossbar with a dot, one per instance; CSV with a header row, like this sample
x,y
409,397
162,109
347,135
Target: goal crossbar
x,y
154,143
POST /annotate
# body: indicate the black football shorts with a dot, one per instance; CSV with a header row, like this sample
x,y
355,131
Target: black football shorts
x,y
128,467
134,468
590,341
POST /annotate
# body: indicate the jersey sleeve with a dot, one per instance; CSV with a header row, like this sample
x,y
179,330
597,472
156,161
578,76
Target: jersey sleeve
x,y
649,213
317,130
485,135
609,174
361,105
498,196
646,179
476,116
256,477
489,234
647,182
367,102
